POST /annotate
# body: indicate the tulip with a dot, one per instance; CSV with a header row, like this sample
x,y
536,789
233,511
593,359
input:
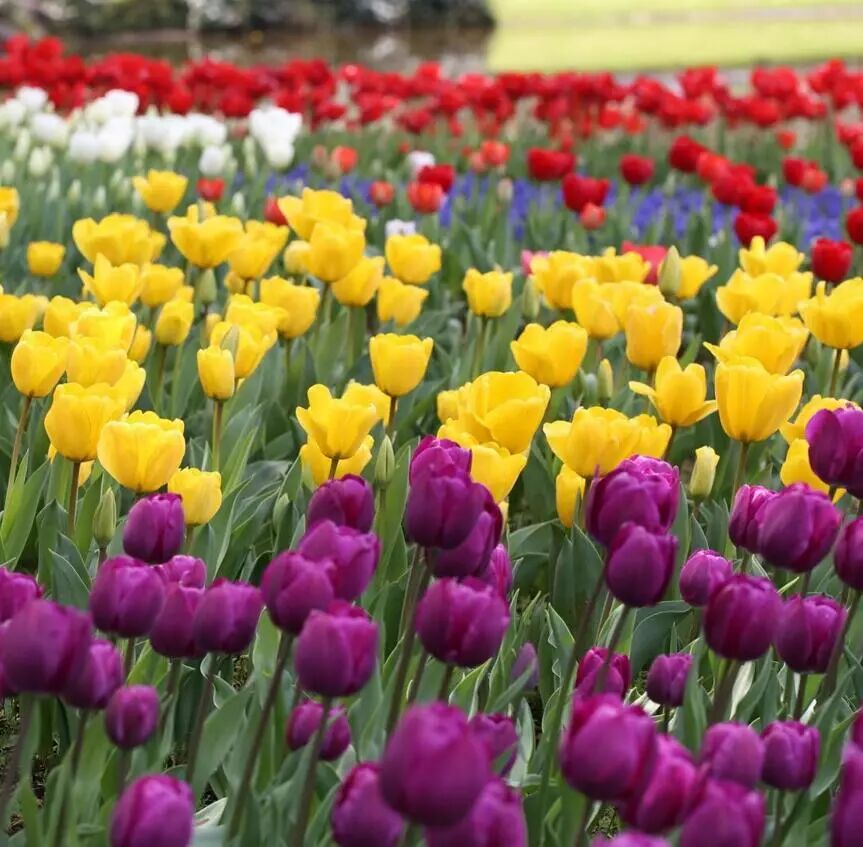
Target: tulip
x,y
679,395
652,333
298,305
100,677
108,282
186,570
808,632
526,660
348,501
154,528
161,191
630,838
205,243
489,295
835,444
126,597
703,473
62,313
304,721
438,456
130,384
226,617
92,360
791,752
216,372
349,555
319,466
462,623
16,591
797,469
132,715
781,258
360,816
412,259
255,251
497,817
553,355
568,493
154,810
694,272
743,294
172,633
336,651
174,322
430,740
334,250
555,274
797,528
608,749
636,170
160,284
834,318
666,679
741,617
399,302
746,518
425,197
399,362
847,812
119,238
617,674
726,813
593,305
44,258
17,314
848,554
77,417
498,574
639,565
703,571
337,426
733,751
201,493
775,342
498,733
472,556
548,165
360,283
113,325
581,192
304,213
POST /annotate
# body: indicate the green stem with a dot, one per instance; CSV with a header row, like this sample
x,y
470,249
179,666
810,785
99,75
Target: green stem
x,y
391,422
69,782
309,781
616,635
334,466
218,407
175,379
198,727
740,473
443,692
722,693
581,838
834,373
418,679
16,446
27,707
129,659
158,376
828,683
801,697
73,497
479,350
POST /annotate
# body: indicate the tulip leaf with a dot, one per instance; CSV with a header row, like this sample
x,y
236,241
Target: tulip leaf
x,y
17,521
29,808
561,640
691,728
68,585
653,626
744,704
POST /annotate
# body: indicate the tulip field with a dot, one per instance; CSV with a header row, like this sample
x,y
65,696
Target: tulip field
x,y
396,459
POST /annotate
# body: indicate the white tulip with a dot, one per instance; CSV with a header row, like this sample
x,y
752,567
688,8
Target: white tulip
x,y
213,161
83,147
115,139
12,113
7,172
31,98
49,128
120,103
22,146
40,161
397,227
419,159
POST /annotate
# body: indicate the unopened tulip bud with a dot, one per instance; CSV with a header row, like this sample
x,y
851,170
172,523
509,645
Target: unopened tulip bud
x,y
132,715
105,518
669,273
4,231
604,381
385,465
304,721
703,473
207,289
733,751
73,195
531,302
231,341
505,191
283,501
154,810
7,171
238,204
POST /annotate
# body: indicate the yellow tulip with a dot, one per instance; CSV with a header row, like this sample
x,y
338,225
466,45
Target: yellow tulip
x,y
84,469
775,342
77,416
216,372
489,295
334,251
743,294
694,272
38,362
336,425
210,321
10,204
550,355
174,322
653,437
159,284
503,407
398,302
298,305
114,324
318,465
257,249
447,405
121,239
412,258
201,492
360,394
836,319
626,294
130,384
243,310
703,472
142,451
793,431
652,333
253,344
568,493
60,314
314,207
593,305
796,290
44,257
780,258
678,395
205,243
796,467
92,360
296,257
361,283
399,362
161,191
611,267
236,284
108,283
556,274
754,403
17,314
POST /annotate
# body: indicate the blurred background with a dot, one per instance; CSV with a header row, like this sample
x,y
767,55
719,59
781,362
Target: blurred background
x,y
546,35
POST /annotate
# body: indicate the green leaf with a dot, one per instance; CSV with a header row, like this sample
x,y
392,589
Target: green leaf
x,y
652,631
69,585
561,640
17,521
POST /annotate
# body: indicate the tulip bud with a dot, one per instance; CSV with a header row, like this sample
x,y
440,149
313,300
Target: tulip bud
x,y
670,272
348,501
16,591
227,617
280,509
639,565
105,518
791,752
848,555
7,171
505,191
126,597
154,810
442,508
741,617
231,341
733,751
207,291
132,715
360,816
498,574
531,300
500,739
172,634
524,661
154,528
430,740
472,556
703,473
835,438
353,555
726,813
186,570
666,679
604,381
438,455
293,586
618,673
238,204
100,677
304,722
385,464
704,570
745,519
100,198
808,632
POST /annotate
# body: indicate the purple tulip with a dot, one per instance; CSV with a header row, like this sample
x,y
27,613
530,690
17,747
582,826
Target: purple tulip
x,y
100,677
639,565
791,752
293,586
126,597
669,792
187,570
745,520
172,634
497,818
227,617
462,623
666,679
132,715
431,741
44,647
808,632
526,659
439,455
443,507
703,571
797,528
733,751
304,721
629,839
354,556
360,816
155,528
608,749
741,617
846,819
472,556
498,735
726,814
618,674
336,651
848,555
16,590
348,501
640,490
498,574
835,439
154,810
6,688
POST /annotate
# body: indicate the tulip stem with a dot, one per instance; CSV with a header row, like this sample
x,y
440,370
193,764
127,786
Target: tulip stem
x,y
129,659
722,692
616,635
309,781
479,350
218,407
418,679
581,838
334,466
828,683
16,446
198,728
26,708
391,421
801,696
158,376
69,781
777,819
443,693
740,473
73,496
834,373
254,750
122,771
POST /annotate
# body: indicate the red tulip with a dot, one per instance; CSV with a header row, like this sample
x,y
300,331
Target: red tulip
x,y
758,199
636,170
831,260
785,138
211,189
581,191
344,158
592,217
653,253
273,213
684,152
747,226
442,175
710,165
494,153
425,197
813,180
854,225
381,193
548,165
793,168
